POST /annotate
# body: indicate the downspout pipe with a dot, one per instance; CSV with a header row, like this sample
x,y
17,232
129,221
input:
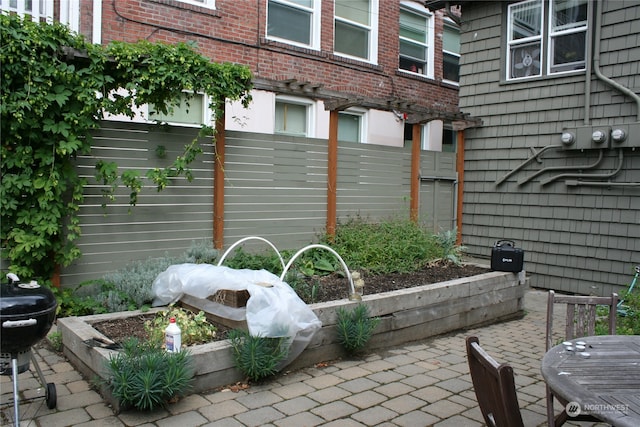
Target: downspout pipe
x,y
596,62
587,77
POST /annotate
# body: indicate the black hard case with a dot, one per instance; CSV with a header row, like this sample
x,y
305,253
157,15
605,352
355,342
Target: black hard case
x,y
506,257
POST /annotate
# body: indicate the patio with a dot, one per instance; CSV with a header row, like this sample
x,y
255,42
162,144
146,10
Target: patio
x,y
425,383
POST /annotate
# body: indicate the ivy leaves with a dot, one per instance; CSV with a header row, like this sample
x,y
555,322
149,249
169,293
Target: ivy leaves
x,y
55,89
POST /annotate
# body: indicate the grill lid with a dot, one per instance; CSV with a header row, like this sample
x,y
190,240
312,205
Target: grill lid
x,y
25,298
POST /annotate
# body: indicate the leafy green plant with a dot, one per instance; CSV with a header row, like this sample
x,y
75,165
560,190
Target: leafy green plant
x,y
629,322
194,328
55,89
308,289
201,252
254,261
129,288
355,328
72,304
451,251
55,339
145,377
257,357
315,262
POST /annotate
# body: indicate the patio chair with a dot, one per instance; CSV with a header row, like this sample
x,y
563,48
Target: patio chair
x,y
494,386
580,321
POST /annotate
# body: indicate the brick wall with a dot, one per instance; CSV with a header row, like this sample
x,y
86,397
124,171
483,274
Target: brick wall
x,y
235,32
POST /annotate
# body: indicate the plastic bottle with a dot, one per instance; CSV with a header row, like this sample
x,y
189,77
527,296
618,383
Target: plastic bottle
x,y
173,336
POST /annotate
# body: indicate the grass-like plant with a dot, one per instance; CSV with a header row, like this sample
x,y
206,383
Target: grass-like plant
x,y
355,328
257,357
144,376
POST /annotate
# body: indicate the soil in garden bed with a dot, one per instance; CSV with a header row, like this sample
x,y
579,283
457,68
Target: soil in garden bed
x,y
329,288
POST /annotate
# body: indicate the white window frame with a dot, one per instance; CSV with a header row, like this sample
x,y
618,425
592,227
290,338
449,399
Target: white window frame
x,y
544,39
310,118
425,137
39,9
315,24
372,29
209,4
361,113
574,28
207,114
450,24
430,44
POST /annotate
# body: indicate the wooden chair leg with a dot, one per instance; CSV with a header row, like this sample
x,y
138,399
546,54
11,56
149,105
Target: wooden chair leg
x,y
550,413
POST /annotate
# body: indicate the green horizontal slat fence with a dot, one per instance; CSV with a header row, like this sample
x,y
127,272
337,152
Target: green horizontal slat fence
x,y
275,188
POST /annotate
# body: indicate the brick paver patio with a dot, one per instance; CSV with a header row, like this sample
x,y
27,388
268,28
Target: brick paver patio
x,y
424,383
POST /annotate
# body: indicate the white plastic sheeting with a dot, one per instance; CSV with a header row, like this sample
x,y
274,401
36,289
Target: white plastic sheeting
x,y
273,309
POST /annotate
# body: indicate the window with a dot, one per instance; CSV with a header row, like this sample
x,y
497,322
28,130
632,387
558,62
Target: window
x,y
434,136
293,117
192,111
415,39
567,38
37,9
534,48
449,140
355,28
451,53
294,21
211,4
350,126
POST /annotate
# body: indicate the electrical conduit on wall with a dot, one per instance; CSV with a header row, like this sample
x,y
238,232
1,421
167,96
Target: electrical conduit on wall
x,y
624,90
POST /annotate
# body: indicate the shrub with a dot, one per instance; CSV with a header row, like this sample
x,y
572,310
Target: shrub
x,y
628,322
201,252
255,261
451,251
389,246
129,288
146,377
257,357
355,328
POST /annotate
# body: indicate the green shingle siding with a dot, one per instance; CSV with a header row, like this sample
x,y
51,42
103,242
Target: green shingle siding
x,y
590,232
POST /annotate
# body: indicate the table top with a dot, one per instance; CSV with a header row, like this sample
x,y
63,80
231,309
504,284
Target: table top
x,y
605,382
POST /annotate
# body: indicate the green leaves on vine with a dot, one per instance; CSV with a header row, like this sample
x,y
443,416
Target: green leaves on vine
x,y
55,89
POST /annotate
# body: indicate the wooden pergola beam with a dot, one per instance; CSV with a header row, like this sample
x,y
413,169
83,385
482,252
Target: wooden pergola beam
x,y
334,100
341,104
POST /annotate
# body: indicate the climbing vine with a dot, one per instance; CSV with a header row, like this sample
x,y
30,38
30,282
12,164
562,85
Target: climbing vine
x,y
55,89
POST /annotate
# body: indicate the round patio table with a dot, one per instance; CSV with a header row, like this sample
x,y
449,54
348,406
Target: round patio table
x,y
602,380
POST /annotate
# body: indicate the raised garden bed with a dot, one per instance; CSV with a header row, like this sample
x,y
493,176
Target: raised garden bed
x,y
406,315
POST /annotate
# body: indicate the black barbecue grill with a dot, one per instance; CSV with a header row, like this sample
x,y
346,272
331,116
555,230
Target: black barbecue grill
x,y
27,312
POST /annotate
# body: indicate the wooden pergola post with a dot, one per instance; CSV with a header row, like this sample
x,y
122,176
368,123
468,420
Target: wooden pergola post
x,y
415,172
332,173
460,187
218,182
